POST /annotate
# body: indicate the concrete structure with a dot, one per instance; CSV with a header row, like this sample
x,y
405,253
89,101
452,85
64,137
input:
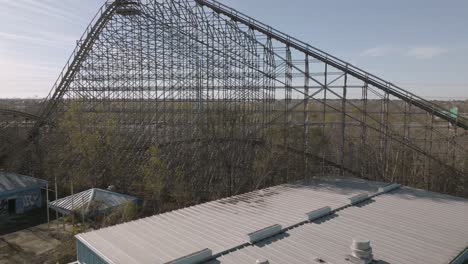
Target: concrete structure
x,y
91,202
314,221
32,245
19,193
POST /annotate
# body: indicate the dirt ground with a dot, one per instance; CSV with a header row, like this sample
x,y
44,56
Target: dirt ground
x,y
33,245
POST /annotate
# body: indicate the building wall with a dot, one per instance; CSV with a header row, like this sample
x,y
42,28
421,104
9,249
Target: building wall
x,y
3,206
25,201
462,258
86,255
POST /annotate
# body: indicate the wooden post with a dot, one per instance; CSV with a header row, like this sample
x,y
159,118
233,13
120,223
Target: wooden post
x,y
56,198
73,212
47,201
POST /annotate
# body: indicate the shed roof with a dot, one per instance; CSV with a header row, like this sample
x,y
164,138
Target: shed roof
x,y
403,226
11,183
95,199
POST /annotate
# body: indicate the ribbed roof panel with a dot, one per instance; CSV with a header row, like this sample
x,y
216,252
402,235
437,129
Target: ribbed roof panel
x,y
406,226
97,199
12,182
220,225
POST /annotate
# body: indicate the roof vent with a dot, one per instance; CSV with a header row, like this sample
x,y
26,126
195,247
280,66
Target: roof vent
x,y
361,252
389,188
194,258
262,261
311,216
359,198
264,233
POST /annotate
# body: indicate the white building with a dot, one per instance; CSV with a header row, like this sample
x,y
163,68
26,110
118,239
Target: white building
x,y
307,222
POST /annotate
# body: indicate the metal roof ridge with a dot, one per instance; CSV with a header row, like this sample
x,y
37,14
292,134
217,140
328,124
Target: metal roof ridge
x,y
24,176
69,196
113,193
93,194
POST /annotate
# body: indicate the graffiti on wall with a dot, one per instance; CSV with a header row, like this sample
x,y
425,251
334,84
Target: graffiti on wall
x,y
3,206
31,200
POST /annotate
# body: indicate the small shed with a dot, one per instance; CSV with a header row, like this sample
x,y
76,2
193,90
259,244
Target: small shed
x,y
91,202
20,193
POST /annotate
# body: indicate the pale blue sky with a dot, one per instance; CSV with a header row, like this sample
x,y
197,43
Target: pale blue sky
x,y
421,45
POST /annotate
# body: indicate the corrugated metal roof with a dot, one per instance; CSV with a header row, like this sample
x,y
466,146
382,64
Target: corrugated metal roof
x,y
220,225
95,199
12,182
404,226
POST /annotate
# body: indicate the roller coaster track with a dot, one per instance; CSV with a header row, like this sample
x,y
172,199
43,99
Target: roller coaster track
x,y
73,64
106,12
346,68
18,113
111,8
335,62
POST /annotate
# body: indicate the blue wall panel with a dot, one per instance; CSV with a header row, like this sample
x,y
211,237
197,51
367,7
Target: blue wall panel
x,y
86,255
28,200
25,200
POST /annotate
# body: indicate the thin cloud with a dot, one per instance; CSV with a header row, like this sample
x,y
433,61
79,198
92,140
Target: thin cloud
x,y
419,52
23,77
20,65
48,39
426,52
41,8
380,51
